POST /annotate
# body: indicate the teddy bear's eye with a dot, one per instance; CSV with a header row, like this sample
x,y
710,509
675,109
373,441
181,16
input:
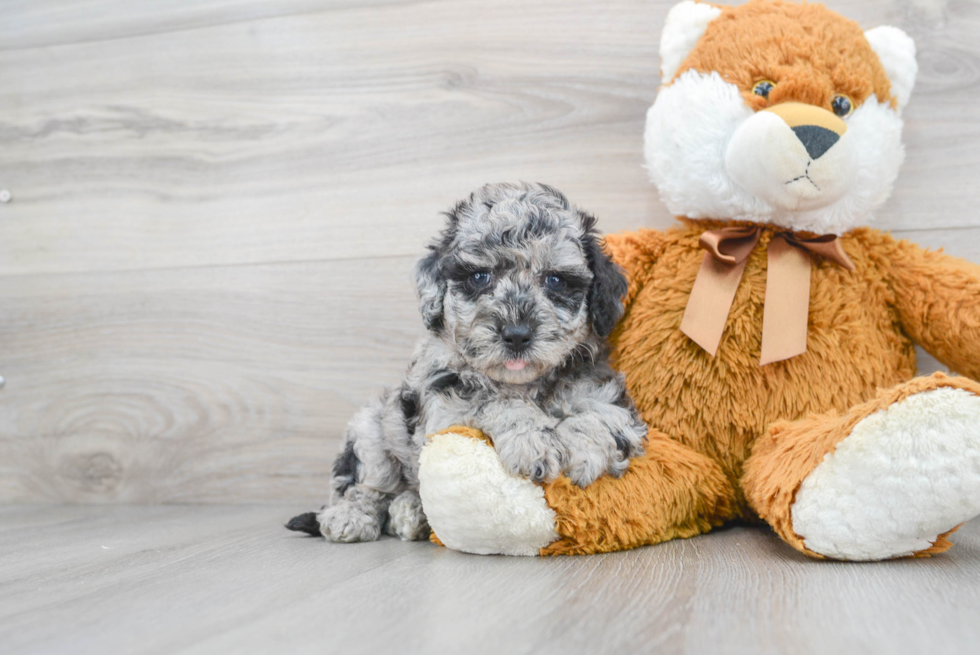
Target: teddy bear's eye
x,y
762,88
841,105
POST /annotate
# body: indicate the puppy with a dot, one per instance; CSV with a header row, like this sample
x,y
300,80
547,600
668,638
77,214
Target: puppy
x,y
518,297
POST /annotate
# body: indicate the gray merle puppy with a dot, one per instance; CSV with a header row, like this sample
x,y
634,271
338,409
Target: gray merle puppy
x,y
518,298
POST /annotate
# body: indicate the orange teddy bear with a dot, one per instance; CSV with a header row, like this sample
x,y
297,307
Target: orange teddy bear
x,y
768,339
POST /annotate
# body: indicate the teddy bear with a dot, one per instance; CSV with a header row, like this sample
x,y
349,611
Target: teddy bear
x,y
768,338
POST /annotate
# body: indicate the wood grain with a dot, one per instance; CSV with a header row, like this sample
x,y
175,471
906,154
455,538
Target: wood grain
x,y
232,134
180,386
326,134
167,579
216,205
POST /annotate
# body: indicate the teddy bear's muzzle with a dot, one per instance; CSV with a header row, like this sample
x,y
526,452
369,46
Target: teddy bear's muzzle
x,y
793,156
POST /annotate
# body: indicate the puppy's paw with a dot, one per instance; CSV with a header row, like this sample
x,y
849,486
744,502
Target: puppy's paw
x,y
588,460
535,454
346,522
406,520
593,450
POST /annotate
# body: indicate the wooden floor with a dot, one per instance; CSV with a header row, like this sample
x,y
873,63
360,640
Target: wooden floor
x,y
230,579
216,205
205,268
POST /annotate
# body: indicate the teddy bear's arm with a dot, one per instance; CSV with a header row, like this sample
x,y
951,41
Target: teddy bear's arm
x,y
938,301
636,252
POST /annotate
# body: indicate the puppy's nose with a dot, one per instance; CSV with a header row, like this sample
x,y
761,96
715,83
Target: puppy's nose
x,y
816,128
517,337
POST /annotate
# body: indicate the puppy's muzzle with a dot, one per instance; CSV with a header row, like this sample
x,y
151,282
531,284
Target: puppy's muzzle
x,y
517,337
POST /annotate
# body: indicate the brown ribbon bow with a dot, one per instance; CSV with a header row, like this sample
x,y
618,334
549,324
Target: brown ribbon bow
x,y
784,319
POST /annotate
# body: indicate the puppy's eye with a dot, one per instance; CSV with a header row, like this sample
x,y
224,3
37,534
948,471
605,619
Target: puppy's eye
x,y
842,105
554,282
763,87
480,279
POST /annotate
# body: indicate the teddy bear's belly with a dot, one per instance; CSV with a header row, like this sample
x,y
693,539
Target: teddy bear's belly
x,y
720,405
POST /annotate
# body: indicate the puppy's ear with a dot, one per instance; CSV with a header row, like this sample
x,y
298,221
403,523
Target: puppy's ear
x,y
609,284
430,278
431,287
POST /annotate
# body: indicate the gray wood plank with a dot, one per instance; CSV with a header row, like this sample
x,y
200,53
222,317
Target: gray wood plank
x,y
218,384
329,134
205,265
189,133
212,579
194,385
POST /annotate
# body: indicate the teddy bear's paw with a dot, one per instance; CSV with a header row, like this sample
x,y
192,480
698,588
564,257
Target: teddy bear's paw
x,y
904,477
346,522
474,505
406,520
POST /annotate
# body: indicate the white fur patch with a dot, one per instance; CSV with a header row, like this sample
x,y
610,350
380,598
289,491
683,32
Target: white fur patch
x,y
686,23
688,131
767,159
896,51
475,506
905,475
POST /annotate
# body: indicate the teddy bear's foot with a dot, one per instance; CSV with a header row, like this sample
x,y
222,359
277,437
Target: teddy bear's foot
x,y
889,479
476,506
904,477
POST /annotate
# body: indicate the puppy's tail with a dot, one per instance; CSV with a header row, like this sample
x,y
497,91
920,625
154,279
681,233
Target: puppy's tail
x,y
305,523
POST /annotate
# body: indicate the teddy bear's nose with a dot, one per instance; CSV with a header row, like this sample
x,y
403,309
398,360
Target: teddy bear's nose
x,y
816,128
817,140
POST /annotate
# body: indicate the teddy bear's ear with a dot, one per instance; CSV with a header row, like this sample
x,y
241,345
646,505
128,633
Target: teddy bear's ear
x,y
896,51
686,22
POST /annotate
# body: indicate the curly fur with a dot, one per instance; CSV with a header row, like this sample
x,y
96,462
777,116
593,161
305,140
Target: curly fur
x,y
511,256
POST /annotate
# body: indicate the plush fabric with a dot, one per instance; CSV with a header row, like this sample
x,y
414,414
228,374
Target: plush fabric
x,y
686,23
841,449
702,139
474,505
792,452
812,53
901,477
691,481
669,492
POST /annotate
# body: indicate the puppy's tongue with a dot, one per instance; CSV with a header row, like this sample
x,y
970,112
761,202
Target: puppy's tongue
x,y
514,364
